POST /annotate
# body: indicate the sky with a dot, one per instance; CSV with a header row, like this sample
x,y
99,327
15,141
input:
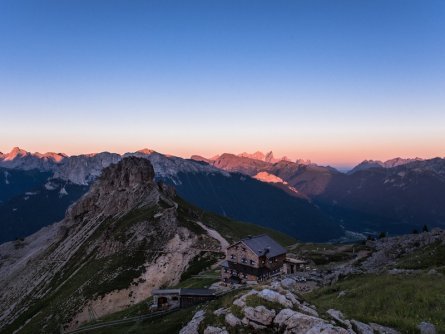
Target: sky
x,y
334,81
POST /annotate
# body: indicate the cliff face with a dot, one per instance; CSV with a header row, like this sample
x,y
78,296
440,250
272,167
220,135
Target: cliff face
x,y
118,242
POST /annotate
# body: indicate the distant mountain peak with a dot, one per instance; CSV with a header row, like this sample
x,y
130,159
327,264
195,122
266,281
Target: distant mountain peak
x,y
368,164
145,151
266,157
15,152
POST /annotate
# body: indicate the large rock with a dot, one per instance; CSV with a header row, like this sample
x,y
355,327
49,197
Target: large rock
x,y
290,296
361,328
288,283
215,330
259,315
219,312
338,317
382,329
308,310
193,325
276,297
295,322
426,328
232,320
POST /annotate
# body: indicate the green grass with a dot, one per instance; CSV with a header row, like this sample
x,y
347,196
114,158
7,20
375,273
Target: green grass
x,y
230,229
199,263
399,301
322,254
233,231
204,280
431,256
254,301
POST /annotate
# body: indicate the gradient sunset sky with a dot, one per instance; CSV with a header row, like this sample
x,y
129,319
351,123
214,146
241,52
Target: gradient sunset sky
x,y
333,81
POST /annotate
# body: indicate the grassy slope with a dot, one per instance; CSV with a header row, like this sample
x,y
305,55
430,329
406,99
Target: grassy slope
x,y
235,230
400,301
395,300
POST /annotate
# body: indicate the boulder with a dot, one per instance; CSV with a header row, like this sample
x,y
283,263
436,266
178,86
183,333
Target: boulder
x,y
308,310
241,301
215,330
361,328
232,320
259,315
288,283
193,325
426,328
382,329
219,312
290,296
276,297
295,322
338,317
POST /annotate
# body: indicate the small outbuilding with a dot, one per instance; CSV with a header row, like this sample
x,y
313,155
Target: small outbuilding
x,y
292,266
174,298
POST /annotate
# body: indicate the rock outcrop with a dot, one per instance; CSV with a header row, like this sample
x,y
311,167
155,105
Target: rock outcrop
x,y
276,308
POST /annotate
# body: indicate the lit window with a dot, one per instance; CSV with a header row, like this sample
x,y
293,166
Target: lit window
x,y
232,257
244,260
252,262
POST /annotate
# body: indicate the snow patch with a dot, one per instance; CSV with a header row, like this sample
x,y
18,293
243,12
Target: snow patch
x,y
63,192
50,186
6,174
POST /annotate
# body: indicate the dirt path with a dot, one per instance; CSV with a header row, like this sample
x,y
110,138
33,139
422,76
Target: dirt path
x,y
215,235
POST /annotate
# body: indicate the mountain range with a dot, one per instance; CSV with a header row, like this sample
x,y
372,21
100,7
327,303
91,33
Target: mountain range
x,y
301,198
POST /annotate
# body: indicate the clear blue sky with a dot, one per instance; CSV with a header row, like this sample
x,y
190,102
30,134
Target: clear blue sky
x,y
332,81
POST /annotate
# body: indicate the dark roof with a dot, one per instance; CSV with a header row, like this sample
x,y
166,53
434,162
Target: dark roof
x,y
197,292
165,292
184,292
264,245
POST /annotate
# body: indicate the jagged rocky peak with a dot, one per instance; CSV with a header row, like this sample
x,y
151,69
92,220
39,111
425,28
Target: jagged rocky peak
x,y
129,172
121,187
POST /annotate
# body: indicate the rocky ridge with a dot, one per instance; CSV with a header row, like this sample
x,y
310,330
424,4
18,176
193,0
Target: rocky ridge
x,y
121,239
85,168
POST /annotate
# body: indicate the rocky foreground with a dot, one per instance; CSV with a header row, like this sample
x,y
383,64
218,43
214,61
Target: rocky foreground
x,y
277,308
280,306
